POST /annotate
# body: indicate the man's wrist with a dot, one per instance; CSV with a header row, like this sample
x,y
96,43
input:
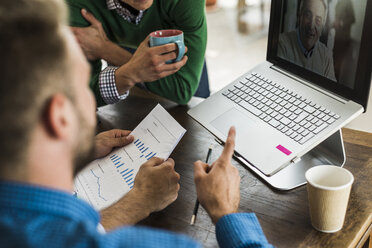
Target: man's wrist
x,y
216,215
132,208
140,202
114,54
104,51
124,79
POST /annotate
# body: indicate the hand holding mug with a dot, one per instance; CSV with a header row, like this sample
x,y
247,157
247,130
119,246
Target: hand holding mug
x,y
169,36
149,64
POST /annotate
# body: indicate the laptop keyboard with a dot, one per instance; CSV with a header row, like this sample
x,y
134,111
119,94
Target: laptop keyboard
x,y
295,116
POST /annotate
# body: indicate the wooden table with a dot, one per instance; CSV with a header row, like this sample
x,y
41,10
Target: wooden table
x,y
284,216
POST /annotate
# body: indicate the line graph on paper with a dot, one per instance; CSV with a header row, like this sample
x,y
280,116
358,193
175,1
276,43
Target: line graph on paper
x,y
99,185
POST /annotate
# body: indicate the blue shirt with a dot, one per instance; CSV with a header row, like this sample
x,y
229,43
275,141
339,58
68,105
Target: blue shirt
x,y
32,216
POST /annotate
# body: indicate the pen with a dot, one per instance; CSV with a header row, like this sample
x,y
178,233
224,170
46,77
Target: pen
x,y
193,218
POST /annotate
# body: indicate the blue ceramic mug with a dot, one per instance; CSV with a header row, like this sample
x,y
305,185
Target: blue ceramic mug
x,y
162,37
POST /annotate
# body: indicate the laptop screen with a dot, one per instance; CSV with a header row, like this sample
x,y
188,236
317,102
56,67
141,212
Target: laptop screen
x,y
325,42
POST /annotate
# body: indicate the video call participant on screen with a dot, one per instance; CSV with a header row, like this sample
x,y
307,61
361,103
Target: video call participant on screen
x,y
302,46
47,136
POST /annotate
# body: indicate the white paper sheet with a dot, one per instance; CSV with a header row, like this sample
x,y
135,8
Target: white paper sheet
x,y
106,180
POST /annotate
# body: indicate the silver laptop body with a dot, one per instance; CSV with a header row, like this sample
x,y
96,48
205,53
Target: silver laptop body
x,y
262,145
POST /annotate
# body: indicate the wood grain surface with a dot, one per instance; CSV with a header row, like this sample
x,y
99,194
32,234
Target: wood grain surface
x,y
284,216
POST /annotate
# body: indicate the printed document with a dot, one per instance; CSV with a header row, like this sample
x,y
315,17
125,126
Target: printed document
x,y
106,180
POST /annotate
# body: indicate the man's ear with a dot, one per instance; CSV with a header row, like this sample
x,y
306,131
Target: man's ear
x,y
58,116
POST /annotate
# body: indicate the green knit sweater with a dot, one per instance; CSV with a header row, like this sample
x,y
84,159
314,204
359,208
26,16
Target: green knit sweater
x,y
186,15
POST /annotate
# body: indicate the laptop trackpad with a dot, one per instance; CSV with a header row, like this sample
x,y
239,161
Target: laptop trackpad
x,y
233,117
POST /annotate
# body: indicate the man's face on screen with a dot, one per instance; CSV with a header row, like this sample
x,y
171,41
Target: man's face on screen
x,y
311,22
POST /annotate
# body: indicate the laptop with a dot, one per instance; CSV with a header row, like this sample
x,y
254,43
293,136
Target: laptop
x,y
315,80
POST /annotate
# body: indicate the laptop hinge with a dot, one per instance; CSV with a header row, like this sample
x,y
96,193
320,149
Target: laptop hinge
x,y
315,87
295,160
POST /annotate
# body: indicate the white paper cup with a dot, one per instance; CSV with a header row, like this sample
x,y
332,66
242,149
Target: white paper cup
x,y
328,190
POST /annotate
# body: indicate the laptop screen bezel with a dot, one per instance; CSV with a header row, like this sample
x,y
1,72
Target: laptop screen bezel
x,y
361,90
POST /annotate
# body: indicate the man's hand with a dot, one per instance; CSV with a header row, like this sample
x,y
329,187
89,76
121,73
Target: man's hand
x,y
218,186
148,64
92,39
157,183
155,187
104,142
95,44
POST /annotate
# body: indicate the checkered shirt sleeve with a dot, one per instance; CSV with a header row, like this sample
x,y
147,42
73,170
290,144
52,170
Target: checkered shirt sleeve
x,y
107,86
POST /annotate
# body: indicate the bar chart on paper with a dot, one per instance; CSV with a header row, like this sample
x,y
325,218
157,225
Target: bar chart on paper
x,y
106,180
126,173
145,152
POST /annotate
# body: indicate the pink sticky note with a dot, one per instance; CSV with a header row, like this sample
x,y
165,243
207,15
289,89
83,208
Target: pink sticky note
x,y
283,150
